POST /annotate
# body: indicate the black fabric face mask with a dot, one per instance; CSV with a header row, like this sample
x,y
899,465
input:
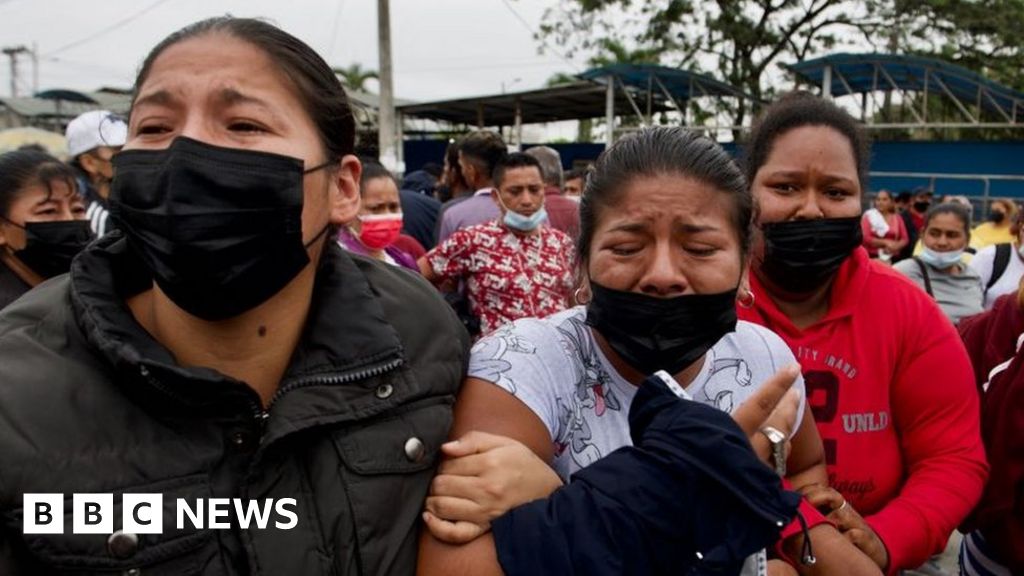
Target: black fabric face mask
x,y
802,255
219,228
922,206
997,217
653,334
50,246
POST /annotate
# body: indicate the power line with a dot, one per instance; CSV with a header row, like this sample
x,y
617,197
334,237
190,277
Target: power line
x,y
334,28
542,41
108,29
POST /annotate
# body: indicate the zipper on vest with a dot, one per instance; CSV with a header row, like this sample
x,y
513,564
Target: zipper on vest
x,y
339,378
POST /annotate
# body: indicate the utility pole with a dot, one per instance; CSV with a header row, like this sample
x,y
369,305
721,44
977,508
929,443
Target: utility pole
x,y
386,113
12,53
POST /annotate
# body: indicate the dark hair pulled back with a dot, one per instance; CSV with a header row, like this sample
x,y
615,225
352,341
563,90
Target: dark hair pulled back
x,y
658,151
21,169
796,110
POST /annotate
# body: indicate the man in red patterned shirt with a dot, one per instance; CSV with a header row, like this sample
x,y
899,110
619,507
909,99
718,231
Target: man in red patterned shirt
x,y
515,266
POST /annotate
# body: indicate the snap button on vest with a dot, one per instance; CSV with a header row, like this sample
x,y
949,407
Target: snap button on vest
x,y
384,391
414,449
122,544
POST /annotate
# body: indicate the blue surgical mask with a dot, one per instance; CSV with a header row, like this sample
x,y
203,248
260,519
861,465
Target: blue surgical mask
x,y
941,260
517,221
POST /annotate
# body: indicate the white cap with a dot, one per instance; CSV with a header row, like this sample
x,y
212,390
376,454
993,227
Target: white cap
x,y
94,129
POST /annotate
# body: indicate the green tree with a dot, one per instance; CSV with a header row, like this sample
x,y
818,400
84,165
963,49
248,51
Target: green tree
x,y
354,76
744,42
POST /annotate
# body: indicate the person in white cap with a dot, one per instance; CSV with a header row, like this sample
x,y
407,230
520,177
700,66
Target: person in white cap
x,y
93,139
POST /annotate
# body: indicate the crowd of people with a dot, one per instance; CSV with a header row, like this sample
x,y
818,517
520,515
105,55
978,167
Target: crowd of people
x,y
671,361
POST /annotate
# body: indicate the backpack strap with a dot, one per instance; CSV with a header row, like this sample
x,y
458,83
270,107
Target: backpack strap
x,y
924,274
999,265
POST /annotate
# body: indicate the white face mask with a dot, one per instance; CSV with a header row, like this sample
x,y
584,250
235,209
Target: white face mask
x,y
941,260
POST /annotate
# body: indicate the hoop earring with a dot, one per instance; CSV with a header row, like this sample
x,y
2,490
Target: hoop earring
x,y
747,302
578,298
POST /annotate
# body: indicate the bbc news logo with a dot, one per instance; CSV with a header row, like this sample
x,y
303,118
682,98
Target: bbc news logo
x,y
143,513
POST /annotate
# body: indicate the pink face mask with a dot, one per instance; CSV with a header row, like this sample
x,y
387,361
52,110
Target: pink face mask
x,y
380,230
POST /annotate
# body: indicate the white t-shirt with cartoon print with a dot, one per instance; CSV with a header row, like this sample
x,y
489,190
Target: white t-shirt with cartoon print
x,y
554,366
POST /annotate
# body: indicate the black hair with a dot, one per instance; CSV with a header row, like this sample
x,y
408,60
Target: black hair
x,y
373,170
656,151
796,110
954,208
575,173
433,168
317,87
512,161
21,169
904,196
483,149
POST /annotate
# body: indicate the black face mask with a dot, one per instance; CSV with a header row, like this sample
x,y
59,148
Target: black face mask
x,y
997,217
922,206
50,246
219,228
653,334
802,255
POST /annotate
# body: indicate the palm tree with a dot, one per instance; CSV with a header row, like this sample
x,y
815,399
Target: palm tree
x,y
354,76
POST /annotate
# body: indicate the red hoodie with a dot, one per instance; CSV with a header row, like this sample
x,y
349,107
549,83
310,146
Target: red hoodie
x,y
890,386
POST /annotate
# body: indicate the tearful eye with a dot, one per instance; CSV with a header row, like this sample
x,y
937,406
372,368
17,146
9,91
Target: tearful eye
x,y
153,129
246,127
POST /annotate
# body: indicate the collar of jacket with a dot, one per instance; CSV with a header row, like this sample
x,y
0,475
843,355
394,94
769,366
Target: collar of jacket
x,y
346,336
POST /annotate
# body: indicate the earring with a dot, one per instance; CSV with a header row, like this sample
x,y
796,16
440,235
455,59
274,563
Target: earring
x,y
746,302
578,296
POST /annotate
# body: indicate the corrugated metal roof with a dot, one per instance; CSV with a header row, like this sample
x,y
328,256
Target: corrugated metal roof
x,y
861,73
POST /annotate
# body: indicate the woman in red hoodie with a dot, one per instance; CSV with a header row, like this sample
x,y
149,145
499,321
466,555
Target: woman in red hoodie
x,y
888,380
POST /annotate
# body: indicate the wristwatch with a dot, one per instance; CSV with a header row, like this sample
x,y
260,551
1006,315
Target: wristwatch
x,y
778,442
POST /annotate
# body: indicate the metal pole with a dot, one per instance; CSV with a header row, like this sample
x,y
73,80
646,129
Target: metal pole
x,y
35,69
609,112
386,113
518,129
826,83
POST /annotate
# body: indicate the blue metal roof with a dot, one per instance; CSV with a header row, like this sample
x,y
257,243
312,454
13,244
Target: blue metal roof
x,y
682,84
860,73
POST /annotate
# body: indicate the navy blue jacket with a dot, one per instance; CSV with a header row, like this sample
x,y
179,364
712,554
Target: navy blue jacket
x,y
690,497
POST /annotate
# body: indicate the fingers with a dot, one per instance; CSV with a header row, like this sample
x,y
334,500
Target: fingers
x,y
752,414
456,509
453,532
469,465
784,416
823,498
473,443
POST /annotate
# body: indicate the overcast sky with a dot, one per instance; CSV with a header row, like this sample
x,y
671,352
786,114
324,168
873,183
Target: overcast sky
x,y
440,48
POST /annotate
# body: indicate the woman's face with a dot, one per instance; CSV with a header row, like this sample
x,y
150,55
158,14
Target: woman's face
x,y
36,203
884,202
666,236
945,233
380,196
811,173
227,92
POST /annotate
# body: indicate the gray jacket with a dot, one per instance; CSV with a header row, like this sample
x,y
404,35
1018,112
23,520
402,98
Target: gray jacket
x,y
89,402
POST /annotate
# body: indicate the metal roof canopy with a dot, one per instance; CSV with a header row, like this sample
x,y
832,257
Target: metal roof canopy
x,y
868,74
570,101
644,89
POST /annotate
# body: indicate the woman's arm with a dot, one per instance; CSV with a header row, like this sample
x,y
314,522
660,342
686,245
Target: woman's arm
x,y
902,238
806,462
484,407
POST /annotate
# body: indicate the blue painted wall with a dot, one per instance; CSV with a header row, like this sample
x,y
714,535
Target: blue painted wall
x,y
962,157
